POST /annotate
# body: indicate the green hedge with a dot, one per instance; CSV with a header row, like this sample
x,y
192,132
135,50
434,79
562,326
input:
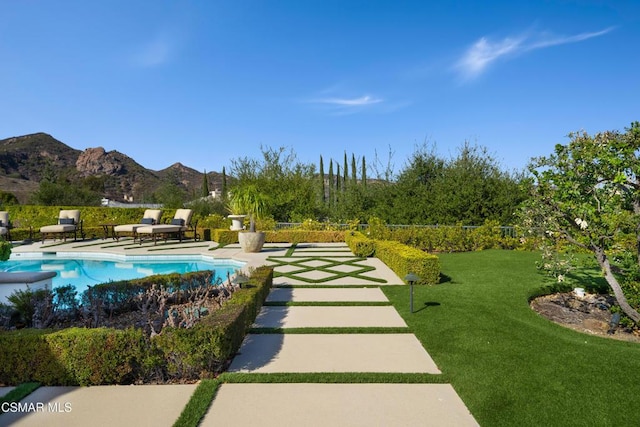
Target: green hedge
x,y
403,259
79,356
27,219
360,244
227,237
306,236
200,351
224,237
450,238
74,356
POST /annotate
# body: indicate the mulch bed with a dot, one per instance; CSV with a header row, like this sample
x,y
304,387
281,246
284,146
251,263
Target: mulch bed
x,y
590,314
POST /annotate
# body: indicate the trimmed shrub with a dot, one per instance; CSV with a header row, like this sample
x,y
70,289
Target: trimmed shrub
x,y
5,250
201,351
403,259
79,356
74,356
224,237
306,236
360,244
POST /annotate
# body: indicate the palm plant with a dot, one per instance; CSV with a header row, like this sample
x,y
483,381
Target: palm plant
x,y
247,199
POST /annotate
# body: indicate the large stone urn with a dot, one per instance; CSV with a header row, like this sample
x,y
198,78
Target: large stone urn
x,y
237,222
251,241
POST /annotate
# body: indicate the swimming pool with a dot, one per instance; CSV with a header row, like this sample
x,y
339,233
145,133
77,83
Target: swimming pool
x,y
82,270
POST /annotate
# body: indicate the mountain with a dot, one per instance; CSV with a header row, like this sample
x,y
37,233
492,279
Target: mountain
x,y
26,160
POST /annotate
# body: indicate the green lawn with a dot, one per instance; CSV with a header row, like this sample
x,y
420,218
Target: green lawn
x,y
511,366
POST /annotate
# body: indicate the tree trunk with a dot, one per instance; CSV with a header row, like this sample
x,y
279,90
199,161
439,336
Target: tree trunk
x,y
603,261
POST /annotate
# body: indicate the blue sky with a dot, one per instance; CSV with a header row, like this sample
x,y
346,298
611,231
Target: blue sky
x,y
203,82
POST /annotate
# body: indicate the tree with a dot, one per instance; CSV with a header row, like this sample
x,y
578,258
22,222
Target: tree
x,y
170,193
224,185
322,190
290,184
588,194
205,184
345,172
7,198
354,176
474,188
331,191
364,172
415,186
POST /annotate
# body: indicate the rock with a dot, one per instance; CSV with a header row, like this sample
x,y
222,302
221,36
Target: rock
x,y
590,314
95,161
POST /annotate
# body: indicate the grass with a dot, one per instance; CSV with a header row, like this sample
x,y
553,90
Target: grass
x,y
509,365
19,393
198,404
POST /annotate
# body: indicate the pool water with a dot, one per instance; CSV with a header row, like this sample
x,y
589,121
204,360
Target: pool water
x,y
82,272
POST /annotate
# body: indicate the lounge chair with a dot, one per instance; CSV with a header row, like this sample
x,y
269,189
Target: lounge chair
x,y
150,217
5,226
180,224
68,222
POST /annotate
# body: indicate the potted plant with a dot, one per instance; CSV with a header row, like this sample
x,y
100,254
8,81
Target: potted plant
x,y
254,204
236,217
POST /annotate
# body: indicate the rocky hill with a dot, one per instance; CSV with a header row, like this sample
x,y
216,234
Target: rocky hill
x,y
26,160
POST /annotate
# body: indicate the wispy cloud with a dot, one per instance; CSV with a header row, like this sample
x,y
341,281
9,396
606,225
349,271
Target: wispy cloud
x,y
481,54
343,106
350,102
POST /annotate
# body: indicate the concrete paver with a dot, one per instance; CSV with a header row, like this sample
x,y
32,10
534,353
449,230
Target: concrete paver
x,y
336,405
326,295
332,353
5,390
330,317
142,405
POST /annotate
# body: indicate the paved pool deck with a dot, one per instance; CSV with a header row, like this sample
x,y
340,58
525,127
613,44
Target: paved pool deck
x,y
309,274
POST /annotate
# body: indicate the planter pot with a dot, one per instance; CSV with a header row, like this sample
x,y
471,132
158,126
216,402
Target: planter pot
x,y
237,222
251,242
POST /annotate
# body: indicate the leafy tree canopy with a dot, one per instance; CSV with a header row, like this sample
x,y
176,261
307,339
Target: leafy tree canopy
x,y
588,193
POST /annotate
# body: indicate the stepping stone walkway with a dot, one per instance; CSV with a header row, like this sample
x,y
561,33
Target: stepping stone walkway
x,y
280,404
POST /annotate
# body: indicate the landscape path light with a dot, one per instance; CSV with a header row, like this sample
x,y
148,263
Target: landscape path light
x,y
411,279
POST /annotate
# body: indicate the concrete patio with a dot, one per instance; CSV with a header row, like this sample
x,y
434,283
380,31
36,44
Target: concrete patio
x,y
279,404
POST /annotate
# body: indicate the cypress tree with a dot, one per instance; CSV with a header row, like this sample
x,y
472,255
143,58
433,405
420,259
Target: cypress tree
x,y
338,184
330,192
322,180
354,173
224,185
205,184
345,172
364,172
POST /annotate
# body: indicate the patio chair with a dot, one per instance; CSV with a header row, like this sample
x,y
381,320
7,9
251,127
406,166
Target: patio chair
x,y
5,226
150,217
180,224
68,222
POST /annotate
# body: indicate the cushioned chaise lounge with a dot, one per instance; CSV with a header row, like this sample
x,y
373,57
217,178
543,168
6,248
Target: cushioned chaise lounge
x,y
150,217
180,223
68,222
5,226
